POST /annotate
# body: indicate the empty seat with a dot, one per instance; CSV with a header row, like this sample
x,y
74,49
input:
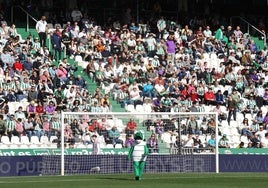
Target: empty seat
x,y
139,108
53,138
24,140
110,146
44,140
130,108
57,25
118,146
50,26
35,140
81,146
5,140
15,140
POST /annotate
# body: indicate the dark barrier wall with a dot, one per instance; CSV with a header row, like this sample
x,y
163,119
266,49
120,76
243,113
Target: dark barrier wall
x,y
243,163
104,164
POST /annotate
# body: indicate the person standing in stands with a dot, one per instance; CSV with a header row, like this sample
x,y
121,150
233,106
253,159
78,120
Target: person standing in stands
x,y
56,43
41,28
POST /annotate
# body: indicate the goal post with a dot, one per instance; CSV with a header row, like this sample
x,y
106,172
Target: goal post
x,y
176,134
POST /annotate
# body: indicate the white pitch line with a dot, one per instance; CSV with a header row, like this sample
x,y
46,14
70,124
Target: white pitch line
x,y
101,179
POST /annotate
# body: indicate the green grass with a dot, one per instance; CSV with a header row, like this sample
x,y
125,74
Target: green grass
x,y
230,180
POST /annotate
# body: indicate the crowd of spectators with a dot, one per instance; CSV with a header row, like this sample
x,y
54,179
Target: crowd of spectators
x,y
176,69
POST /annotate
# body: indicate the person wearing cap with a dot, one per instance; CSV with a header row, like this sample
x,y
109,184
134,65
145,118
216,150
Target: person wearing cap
x,y
155,62
224,142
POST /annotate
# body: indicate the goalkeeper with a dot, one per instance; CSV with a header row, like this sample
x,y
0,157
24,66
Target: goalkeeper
x,y
139,153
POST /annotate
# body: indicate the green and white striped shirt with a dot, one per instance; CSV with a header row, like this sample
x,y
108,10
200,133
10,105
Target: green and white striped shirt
x,y
10,124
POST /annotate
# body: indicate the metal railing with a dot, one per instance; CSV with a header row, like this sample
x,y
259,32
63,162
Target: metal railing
x,y
27,16
251,26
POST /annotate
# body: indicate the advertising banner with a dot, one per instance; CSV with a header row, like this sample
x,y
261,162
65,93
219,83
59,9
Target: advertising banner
x,y
243,163
121,151
104,164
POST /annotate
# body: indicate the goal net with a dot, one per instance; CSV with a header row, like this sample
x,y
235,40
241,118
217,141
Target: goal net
x,y
99,143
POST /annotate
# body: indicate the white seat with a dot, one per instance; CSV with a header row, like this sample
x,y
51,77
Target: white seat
x,y
35,140
139,108
264,110
64,25
13,146
166,137
24,146
4,146
236,139
234,131
57,25
5,140
224,123
44,140
130,108
110,146
225,130
81,146
24,140
244,139
202,138
118,146
249,117
50,26
52,138
102,145
233,123
147,108
15,140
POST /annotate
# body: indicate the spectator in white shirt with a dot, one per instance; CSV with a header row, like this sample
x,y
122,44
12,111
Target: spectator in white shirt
x,y
41,28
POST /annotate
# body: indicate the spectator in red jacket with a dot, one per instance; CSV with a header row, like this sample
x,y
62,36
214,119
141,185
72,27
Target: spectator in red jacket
x,y
131,126
18,66
209,97
94,125
193,95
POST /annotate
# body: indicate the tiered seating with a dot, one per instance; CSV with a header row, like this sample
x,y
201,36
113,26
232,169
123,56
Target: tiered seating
x,y
24,142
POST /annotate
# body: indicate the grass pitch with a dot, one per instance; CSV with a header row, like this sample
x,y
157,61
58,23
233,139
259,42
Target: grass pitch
x,y
230,180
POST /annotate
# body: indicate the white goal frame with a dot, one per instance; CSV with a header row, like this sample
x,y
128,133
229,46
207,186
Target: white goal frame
x,y
64,114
